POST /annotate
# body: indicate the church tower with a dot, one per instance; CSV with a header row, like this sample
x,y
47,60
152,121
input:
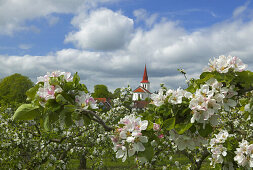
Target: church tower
x,y
145,83
142,92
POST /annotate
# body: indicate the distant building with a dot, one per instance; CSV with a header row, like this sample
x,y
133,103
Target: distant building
x,y
104,103
143,91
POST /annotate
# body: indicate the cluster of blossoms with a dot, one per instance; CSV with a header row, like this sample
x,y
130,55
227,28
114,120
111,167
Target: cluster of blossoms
x,y
51,87
204,103
85,100
174,96
217,149
209,99
244,154
157,129
128,138
48,90
223,64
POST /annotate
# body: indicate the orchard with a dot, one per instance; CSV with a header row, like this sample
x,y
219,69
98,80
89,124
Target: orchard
x,y
209,121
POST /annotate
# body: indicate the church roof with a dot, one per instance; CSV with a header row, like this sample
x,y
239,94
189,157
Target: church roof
x,y
141,90
145,76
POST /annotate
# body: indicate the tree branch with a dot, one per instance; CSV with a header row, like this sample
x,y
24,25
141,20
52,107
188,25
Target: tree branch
x,y
203,157
98,119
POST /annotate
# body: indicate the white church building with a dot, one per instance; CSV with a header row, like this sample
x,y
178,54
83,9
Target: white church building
x,y
143,91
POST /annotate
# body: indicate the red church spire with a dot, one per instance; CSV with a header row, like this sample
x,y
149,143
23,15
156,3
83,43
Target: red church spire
x,y
145,76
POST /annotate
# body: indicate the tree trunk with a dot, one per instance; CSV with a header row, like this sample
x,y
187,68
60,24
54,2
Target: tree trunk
x,y
83,162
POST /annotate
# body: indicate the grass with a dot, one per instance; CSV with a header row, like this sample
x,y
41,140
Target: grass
x,y
130,164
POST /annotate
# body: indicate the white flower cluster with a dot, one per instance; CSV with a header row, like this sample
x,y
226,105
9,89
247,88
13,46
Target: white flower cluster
x,y
174,96
217,149
204,103
209,99
48,91
128,139
223,64
244,154
85,100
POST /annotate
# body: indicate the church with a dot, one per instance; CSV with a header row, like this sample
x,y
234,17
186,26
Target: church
x,y
143,91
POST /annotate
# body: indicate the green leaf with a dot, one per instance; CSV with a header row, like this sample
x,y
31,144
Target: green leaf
x,y
150,125
76,79
46,123
148,153
32,92
52,105
181,128
26,112
169,123
53,116
205,131
69,108
53,81
66,115
86,120
60,99
68,120
158,121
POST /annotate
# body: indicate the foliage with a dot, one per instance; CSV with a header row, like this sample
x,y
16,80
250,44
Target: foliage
x,y
101,91
13,88
116,93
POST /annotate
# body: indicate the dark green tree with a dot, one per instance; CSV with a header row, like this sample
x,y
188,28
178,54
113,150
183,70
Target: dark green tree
x,y
116,93
14,87
101,91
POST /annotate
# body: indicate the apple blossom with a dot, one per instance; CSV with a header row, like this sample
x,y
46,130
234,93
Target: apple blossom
x,y
128,139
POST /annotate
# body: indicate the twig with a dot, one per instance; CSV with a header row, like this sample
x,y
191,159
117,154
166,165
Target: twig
x,y
98,119
203,157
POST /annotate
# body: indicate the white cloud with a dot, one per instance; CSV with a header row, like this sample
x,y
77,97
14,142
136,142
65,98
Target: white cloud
x,y
102,29
15,13
142,15
164,47
25,46
239,10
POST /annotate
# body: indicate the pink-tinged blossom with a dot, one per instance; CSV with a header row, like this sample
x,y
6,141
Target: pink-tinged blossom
x,y
45,79
209,99
156,127
85,100
129,137
161,136
48,92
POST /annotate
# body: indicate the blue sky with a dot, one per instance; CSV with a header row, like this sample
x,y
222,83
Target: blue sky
x,y
109,41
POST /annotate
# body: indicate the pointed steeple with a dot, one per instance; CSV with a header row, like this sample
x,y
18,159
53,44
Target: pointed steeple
x,y
145,76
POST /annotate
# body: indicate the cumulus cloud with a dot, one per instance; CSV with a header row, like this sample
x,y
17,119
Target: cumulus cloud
x,y
14,14
142,15
164,47
102,29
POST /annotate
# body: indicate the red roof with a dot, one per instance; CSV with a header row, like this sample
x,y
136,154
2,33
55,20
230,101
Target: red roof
x,y
145,76
101,99
141,90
